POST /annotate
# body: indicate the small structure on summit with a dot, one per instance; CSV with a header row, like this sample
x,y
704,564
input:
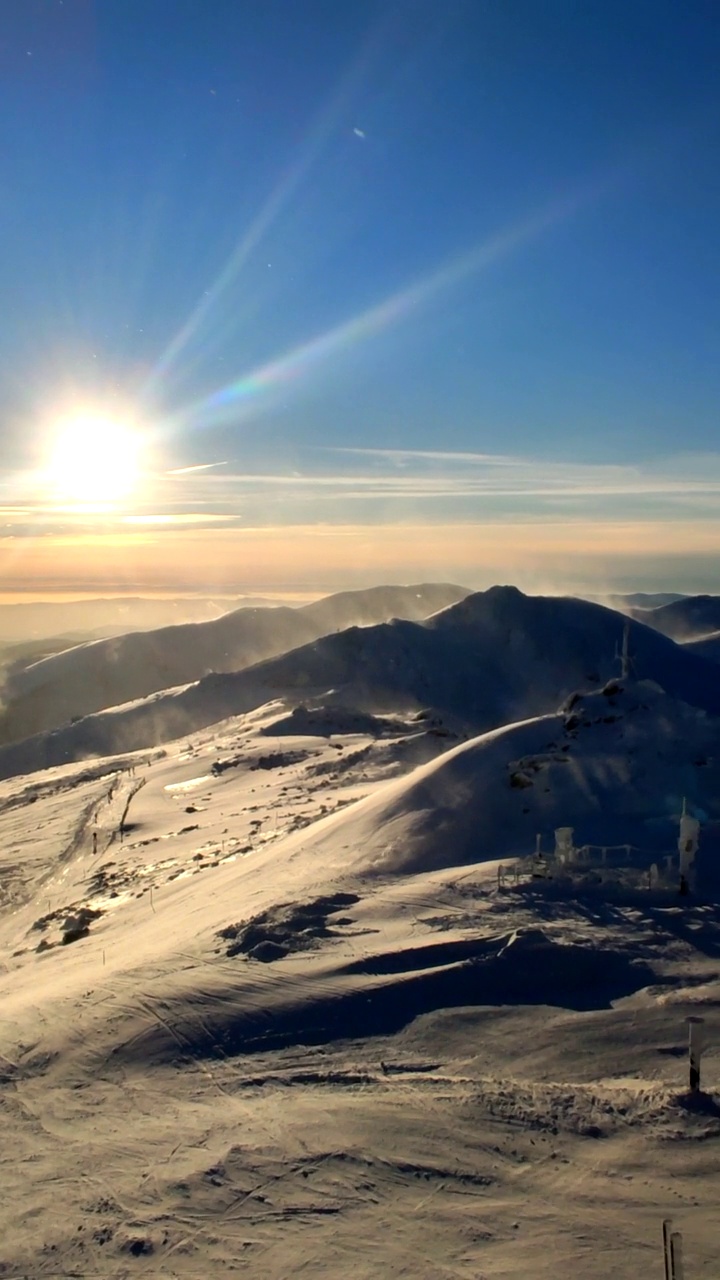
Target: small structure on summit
x,y
622,865
564,846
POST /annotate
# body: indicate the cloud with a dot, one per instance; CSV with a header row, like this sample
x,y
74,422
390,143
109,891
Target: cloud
x,y
343,517
198,466
381,487
506,474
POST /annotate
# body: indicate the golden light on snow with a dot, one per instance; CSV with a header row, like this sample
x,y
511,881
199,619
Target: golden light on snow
x,y
94,459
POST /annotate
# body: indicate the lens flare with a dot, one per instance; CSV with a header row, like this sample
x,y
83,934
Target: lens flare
x,y
226,404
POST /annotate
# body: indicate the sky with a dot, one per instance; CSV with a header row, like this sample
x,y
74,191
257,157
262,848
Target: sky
x,y
341,293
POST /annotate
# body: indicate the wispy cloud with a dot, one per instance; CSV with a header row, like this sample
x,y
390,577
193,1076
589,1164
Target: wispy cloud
x,y
198,466
403,483
431,455
508,474
381,486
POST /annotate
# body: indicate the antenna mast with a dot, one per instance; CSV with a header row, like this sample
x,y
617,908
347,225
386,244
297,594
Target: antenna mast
x,y
627,662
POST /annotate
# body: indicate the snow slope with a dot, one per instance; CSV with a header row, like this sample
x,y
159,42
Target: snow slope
x,y
285,1023
615,766
108,672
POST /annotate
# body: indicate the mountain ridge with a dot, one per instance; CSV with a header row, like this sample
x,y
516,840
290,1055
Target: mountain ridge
x,y
106,673
493,658
685,619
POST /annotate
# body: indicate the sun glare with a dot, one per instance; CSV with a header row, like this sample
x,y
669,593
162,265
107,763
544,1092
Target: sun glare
x,y
93,459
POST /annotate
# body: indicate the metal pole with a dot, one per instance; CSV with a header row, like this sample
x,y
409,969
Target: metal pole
x,y
677,1269
696,1037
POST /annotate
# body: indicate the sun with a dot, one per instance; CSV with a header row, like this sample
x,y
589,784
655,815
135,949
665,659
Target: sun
x,y
93,459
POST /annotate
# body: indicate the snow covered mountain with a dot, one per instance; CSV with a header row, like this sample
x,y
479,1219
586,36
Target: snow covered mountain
x,y
684,619
108,672
495,657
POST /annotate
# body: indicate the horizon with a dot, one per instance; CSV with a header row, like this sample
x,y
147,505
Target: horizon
x,y
292,596
307,297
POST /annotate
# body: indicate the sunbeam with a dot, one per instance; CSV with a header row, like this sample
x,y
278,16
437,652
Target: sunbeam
x,y
222,405
307,154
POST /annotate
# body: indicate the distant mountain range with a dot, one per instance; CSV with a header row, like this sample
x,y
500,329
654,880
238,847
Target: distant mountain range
x,y
641,599
685,619
109,672
24,621
492,658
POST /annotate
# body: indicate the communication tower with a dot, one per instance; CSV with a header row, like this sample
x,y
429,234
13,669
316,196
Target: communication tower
x,y
624,656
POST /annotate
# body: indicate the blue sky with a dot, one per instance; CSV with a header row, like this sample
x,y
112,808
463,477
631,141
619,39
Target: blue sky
x,y
386,256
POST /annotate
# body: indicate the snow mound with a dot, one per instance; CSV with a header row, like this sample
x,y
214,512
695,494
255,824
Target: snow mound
x,y
615,765
324,721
